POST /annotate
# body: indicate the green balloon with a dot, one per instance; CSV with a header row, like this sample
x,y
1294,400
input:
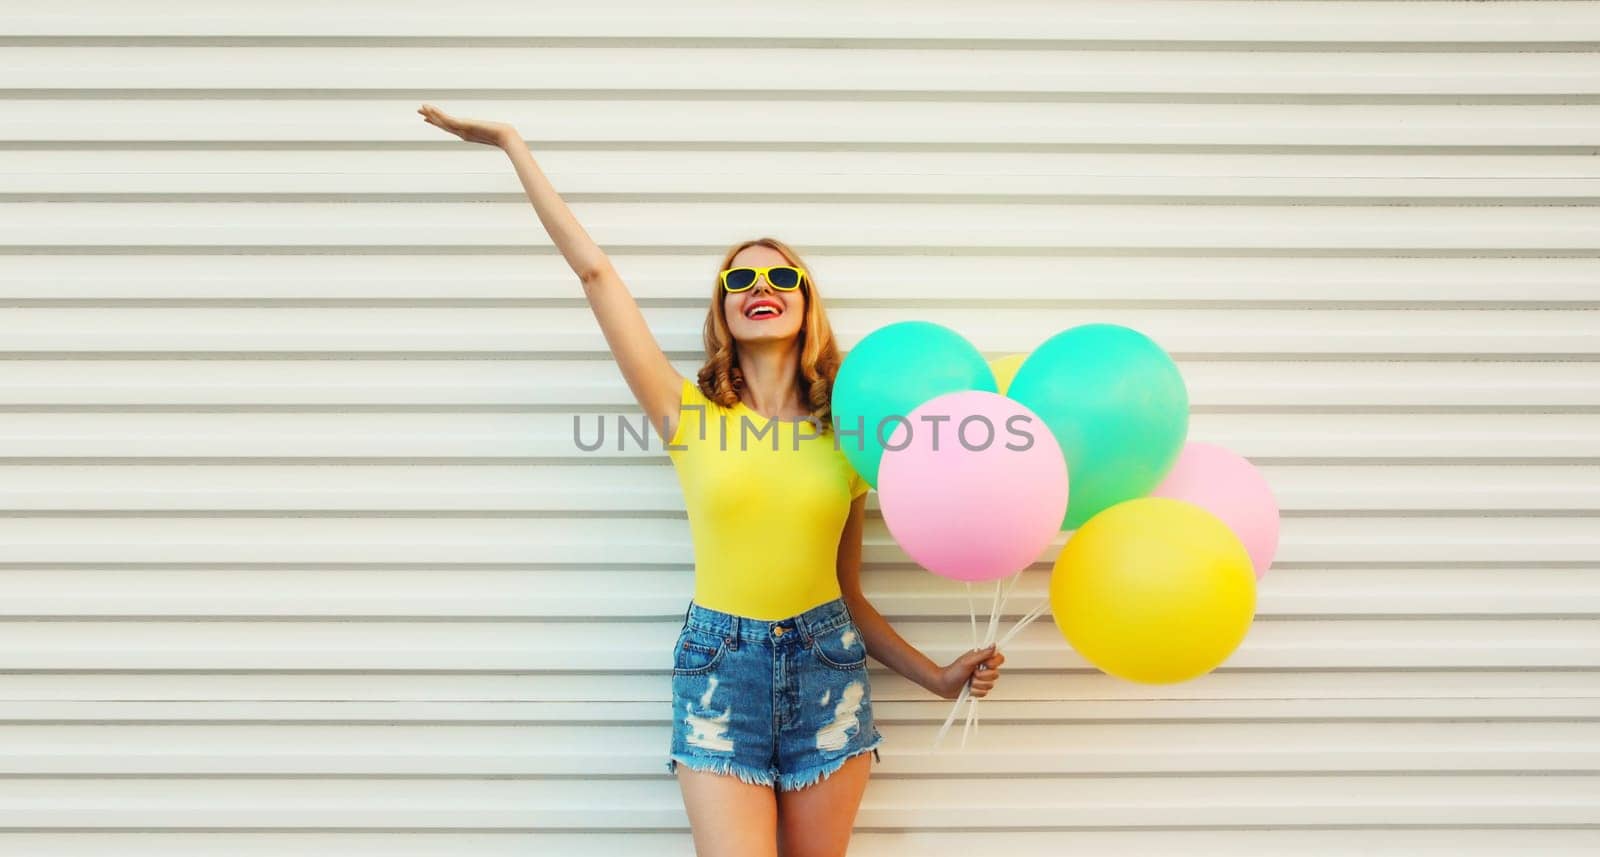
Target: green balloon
x,y
1117,406
888,374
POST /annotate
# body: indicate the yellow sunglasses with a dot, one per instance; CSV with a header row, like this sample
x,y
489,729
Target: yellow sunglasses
x,y
784,278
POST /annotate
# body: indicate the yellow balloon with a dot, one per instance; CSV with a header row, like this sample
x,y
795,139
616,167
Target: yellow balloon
x,y
1005,368
1154,590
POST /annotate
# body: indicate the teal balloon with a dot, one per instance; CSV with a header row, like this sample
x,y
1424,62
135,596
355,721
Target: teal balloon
x,y
889,373
1117,406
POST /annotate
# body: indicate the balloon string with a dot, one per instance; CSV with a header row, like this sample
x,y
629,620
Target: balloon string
x,y
1028,618
1000,597
988,637
972,615
994,610
1009,586
952,716
966,691
1039,609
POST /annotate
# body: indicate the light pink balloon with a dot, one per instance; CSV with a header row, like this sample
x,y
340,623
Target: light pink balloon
x,y
1229,486
978,513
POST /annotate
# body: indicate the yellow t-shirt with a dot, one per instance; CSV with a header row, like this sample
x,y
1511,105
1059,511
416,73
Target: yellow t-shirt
x,y
765,517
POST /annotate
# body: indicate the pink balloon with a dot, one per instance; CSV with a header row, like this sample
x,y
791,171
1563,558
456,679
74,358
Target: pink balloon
x,y
1229,486
979,510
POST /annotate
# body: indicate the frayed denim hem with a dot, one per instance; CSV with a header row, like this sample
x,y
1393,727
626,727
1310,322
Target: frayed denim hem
x,y
796,780
721,766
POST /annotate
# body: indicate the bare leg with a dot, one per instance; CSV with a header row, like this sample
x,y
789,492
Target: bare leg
x,y
729,817
816,821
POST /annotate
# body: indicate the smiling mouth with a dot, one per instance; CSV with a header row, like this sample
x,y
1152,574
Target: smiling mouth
x,y
763,312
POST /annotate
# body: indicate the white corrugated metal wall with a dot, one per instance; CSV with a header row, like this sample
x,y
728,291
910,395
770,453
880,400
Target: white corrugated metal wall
x,y
300,558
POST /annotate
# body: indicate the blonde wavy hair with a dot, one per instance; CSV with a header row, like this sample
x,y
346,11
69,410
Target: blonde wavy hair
x,y
721,379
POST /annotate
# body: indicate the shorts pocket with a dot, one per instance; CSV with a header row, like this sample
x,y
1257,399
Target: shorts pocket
x,y
697,652
840,648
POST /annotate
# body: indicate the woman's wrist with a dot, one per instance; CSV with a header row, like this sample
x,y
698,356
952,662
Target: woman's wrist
x,y
929,675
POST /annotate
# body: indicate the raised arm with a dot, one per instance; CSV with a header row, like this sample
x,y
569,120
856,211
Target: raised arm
x,y
655,382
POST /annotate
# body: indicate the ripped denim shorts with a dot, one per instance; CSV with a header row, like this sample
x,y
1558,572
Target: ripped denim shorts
x,y
780,703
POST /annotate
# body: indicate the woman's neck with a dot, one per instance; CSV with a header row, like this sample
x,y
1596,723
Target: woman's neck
x,y
770,370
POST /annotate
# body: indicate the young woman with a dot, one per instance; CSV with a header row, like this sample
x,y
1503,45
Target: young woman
x,y
772,709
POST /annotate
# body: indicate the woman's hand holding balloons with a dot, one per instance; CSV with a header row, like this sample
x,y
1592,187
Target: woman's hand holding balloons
x,y
980,666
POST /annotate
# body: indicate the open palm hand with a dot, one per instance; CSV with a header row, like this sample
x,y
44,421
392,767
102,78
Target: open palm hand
x,y
471,130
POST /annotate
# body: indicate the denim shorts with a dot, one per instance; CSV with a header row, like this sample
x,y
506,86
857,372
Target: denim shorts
x,y
781,703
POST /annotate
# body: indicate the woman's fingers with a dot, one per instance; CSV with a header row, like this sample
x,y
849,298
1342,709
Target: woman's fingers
x,y
470,130
438,117
984,677
433,117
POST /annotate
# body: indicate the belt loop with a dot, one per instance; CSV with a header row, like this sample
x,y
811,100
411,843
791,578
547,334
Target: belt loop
x,y
734,643
804,628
